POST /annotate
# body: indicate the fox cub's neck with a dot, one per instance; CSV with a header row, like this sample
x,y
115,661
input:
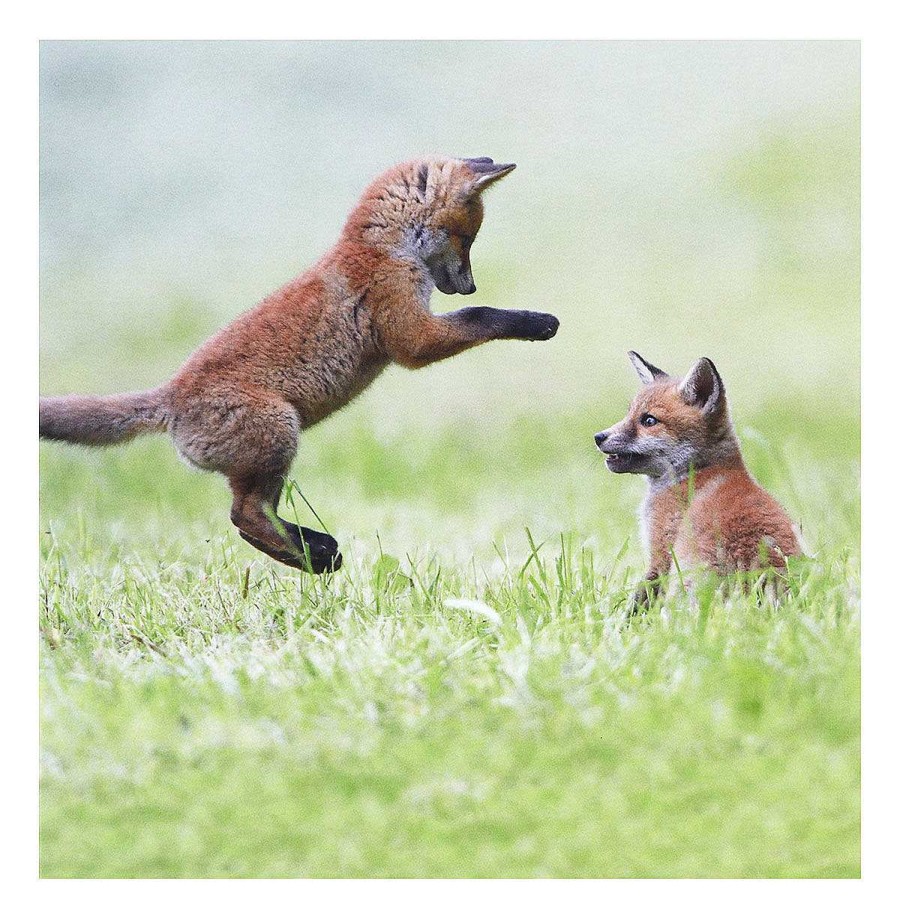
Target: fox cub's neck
x,y
724,453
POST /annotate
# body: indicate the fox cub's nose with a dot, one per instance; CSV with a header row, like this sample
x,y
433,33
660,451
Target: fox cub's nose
x,y
600,437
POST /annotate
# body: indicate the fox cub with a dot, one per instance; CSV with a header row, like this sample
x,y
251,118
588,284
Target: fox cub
x,y
240,401
702,506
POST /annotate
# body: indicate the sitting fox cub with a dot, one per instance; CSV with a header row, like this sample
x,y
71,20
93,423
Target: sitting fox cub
x,y
702,504
239,403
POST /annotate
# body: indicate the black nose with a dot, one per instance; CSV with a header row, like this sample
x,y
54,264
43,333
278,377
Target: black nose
x,y
600,438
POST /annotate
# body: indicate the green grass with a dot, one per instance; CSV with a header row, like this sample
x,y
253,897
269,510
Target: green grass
x,y
466,697
432,710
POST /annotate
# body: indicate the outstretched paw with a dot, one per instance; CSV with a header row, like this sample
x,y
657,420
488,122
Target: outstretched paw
x,y
536,326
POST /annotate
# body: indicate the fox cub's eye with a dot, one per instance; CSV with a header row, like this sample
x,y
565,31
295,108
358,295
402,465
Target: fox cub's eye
x,y
648,420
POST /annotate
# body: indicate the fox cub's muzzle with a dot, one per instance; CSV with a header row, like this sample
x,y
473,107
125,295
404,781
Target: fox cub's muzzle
x,y
620,457
452,275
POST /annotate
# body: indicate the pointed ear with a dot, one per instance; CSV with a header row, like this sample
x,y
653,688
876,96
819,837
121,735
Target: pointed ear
x,y
703,386
486,172
647,372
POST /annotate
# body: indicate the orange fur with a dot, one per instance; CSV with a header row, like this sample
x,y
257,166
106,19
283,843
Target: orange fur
x,y
703,507
721,519
239,402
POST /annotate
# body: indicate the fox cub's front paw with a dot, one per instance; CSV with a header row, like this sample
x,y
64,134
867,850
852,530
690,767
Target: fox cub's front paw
x,y
644,595
535,326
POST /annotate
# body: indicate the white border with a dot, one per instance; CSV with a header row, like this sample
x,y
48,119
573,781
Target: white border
x,y
453,20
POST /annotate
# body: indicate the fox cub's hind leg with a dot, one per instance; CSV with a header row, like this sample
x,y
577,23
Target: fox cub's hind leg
x,y
254,513
252,439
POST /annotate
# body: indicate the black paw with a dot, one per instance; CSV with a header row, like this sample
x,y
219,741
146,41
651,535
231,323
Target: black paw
x,y
535,326
643,596
318,552
314,552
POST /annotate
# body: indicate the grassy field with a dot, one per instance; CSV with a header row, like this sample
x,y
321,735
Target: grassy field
x,y
466,697
207,713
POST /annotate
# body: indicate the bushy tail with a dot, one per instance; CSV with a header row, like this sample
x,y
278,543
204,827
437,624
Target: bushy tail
x,y
102,420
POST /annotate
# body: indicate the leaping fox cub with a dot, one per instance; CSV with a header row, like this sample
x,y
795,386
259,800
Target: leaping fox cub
x,y
239,403
702,505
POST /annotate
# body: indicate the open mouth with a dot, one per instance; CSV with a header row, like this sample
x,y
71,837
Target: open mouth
x,y
623,462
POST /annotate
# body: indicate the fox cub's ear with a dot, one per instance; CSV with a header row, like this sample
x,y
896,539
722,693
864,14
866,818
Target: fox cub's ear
x,y
486,171
647,372
703,386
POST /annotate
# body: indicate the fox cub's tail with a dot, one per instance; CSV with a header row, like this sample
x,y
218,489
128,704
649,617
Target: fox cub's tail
x,y
102,420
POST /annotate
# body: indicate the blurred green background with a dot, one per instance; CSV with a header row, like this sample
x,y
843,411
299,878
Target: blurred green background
x,y
680,199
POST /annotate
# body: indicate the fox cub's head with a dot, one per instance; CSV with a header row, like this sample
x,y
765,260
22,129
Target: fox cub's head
x,y
673,425
429,211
